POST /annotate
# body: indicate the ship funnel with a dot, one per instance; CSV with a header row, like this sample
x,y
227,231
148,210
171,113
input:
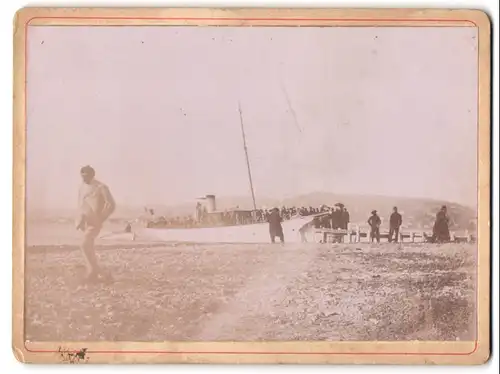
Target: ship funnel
x,y
210,203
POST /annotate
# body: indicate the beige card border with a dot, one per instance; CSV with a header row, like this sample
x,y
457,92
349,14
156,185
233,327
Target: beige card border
x,y
474,352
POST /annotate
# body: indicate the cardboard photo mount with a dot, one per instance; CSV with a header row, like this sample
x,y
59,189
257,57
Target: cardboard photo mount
x,y
404,352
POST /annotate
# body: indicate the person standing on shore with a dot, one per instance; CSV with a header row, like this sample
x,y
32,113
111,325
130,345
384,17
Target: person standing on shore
x,y
275,228
395,223
336,217
441,230
374,221
96,204
345,217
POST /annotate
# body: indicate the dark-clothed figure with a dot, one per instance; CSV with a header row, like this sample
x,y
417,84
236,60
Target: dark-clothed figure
x,y
395,223
275,228
326,220
374,221
336,218
345,219
96,204
441,231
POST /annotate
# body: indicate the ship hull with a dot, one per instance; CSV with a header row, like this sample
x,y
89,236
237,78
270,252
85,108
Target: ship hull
x,y
295,230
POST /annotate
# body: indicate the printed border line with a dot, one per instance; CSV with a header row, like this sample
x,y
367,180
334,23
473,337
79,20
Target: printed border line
x,y
450,20
476,345
268,353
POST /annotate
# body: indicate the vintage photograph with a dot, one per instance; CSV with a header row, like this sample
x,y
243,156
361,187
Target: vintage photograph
x,y
251,183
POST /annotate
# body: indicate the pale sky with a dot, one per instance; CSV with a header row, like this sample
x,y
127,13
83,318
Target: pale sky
x,y
388,111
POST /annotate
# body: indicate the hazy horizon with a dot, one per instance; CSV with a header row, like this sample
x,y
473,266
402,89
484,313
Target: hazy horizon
x,y
262,202
346,110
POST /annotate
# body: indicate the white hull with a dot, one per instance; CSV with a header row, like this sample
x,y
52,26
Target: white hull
x,y
294,230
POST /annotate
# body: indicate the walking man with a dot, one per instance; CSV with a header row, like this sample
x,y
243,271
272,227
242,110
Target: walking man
x,y
96,204
395,223
275,228
374,221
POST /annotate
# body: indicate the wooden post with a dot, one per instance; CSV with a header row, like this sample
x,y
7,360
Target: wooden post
x,y
412,237
358,234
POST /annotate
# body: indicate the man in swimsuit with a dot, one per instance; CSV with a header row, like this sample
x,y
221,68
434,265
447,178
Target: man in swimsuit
x,y
96,204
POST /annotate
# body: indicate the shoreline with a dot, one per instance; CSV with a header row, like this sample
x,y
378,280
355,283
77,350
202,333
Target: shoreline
x,y
263,292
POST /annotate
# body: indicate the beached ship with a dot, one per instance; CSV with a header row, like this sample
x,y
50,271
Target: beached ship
x,y
240,228
243,227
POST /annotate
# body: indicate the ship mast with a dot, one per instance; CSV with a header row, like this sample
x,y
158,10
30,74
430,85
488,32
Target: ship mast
x,y
246,155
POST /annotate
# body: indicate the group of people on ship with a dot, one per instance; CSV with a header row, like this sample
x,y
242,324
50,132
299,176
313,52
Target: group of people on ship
x,y
337,216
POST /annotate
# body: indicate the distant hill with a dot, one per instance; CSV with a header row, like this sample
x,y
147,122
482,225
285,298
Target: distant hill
x,y
417,213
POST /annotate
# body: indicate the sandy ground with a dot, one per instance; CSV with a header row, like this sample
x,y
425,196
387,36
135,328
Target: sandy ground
x,y
254,292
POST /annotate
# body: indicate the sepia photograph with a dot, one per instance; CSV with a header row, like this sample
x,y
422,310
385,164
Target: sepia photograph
x,y
251,184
